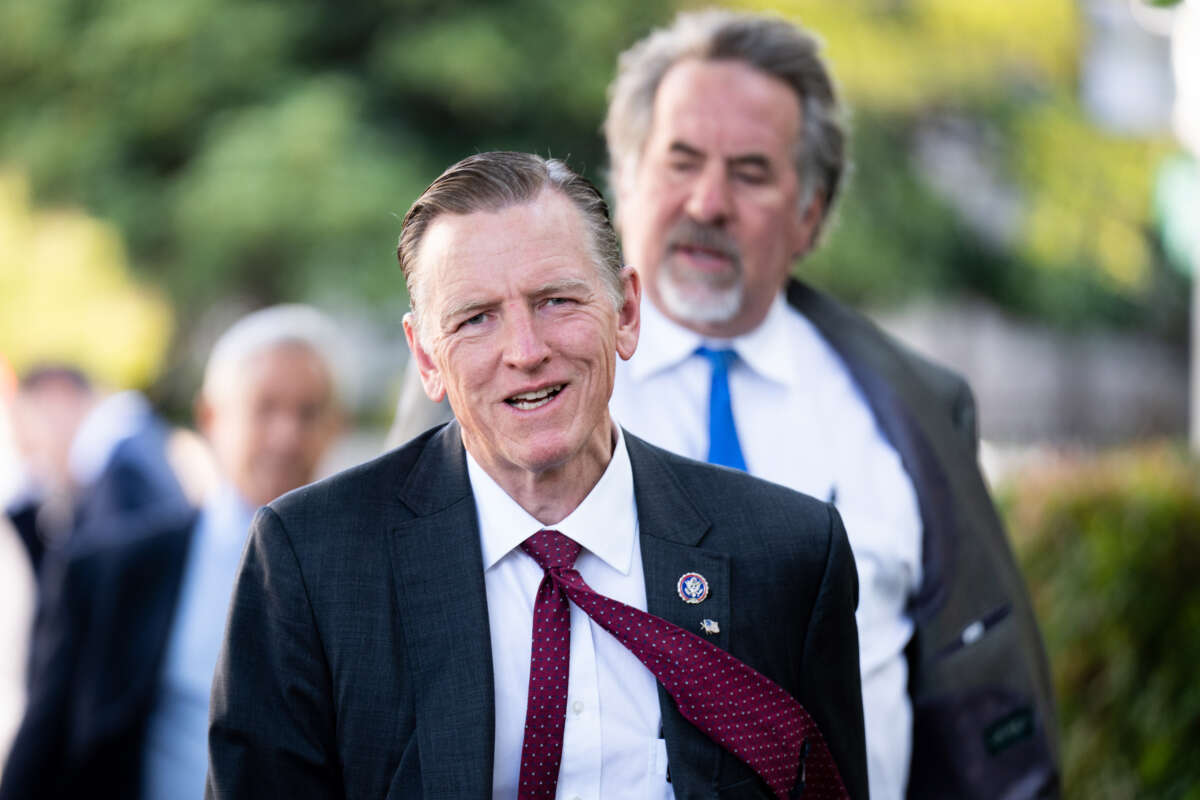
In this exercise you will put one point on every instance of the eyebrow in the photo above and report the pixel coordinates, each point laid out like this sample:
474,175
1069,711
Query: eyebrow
683,149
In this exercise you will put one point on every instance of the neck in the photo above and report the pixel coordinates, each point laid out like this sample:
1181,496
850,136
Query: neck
550,494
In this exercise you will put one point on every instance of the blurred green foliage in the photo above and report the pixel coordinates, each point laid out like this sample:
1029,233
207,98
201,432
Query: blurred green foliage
1111,549
267,149
82,283
1080,247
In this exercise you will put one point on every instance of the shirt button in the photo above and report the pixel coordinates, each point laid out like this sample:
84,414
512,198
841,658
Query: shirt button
577,707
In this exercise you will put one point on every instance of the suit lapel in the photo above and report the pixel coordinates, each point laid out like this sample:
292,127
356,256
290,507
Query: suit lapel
671,530
910,420
438,564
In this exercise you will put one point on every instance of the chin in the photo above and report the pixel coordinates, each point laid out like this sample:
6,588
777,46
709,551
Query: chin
700,303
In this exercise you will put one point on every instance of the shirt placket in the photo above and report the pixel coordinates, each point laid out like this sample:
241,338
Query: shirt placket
579,774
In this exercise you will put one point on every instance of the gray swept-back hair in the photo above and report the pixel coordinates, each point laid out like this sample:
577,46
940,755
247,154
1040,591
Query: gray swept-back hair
267,329
494,181
767,43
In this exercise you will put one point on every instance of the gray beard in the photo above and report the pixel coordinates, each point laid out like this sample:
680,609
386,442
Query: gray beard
698,303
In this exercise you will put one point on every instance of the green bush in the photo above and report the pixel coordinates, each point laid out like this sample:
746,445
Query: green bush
1111,549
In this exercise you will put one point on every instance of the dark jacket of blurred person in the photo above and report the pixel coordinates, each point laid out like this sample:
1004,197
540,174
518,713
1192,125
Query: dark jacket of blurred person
128,638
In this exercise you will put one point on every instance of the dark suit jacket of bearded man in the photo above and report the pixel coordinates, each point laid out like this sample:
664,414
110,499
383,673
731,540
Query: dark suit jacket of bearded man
357,661
983,708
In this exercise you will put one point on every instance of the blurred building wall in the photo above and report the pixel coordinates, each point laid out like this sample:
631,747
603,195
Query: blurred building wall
1034,383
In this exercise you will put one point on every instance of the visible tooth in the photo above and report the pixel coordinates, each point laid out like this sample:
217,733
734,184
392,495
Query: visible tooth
537,395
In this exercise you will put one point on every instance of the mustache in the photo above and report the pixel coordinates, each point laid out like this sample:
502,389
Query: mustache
689,233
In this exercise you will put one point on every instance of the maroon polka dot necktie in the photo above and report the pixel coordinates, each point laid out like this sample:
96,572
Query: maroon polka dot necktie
740,709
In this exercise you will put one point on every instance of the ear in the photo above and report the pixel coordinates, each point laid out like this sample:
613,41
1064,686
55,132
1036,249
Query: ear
629,315
809,222
431,378
202,411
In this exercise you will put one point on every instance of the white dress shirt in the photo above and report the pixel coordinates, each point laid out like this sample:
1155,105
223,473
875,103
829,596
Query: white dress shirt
802,422
176,749
611,744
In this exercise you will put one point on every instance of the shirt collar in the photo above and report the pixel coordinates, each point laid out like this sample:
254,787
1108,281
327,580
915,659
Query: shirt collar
605,523
228,514
664,344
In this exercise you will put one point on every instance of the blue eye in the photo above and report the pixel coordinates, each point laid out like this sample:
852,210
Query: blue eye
478,319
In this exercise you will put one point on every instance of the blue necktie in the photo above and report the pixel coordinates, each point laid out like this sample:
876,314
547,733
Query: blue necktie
723,447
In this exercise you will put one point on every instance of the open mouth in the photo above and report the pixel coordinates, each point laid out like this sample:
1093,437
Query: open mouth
704,255
527,401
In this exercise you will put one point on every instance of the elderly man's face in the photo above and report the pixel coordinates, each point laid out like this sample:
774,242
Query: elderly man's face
710,215
273,428
517,328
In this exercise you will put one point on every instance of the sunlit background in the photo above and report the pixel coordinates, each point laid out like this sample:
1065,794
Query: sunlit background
1023,206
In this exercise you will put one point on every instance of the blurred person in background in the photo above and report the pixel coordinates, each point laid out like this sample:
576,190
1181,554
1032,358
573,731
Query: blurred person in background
89,458
726,156
118,704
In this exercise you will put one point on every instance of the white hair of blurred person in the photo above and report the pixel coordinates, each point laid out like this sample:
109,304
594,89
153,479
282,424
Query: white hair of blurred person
269,404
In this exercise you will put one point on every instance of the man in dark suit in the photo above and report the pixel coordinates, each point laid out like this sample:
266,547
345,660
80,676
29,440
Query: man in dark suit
133,604
726,154
379,640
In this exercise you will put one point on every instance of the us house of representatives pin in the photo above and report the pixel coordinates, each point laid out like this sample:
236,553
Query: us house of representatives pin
692,587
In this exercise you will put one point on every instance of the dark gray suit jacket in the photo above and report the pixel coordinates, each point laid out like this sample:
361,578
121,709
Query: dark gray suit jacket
357,660
983,709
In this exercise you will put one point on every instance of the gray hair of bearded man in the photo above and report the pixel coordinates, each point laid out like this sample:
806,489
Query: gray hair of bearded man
494,181
770,44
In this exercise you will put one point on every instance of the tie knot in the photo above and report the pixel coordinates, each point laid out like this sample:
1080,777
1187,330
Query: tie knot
551,549
719,358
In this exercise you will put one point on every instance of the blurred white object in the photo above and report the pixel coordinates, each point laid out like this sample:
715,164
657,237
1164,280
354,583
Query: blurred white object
17,592
16,617
1185,58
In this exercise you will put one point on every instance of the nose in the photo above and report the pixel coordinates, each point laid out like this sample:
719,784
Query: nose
709,200
525,346
284,431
